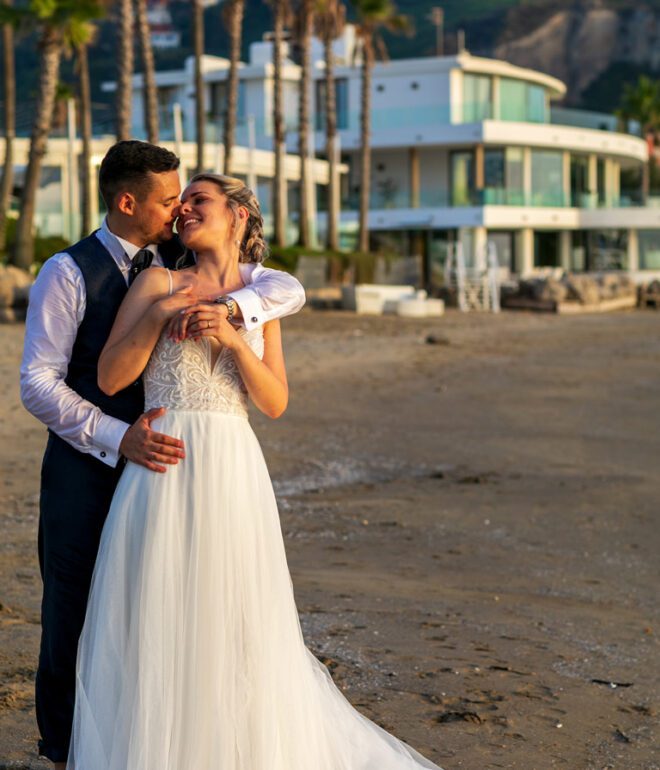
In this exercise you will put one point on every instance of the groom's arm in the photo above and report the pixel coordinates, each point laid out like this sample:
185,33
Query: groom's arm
55,311
270,294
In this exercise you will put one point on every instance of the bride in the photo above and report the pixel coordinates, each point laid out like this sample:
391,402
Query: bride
192,657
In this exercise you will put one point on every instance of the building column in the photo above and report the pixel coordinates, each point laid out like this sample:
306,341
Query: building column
527,176
566,178
525,251
479,173
633,251
592,181
565,249
480,247
413,165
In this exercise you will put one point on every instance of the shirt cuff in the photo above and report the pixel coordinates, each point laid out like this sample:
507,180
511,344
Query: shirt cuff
107,438
250,305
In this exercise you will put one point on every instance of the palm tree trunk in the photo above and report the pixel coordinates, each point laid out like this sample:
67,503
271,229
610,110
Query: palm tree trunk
86,132
235,24
149,93
365,141
51,53
279,186
7,183
307,10
200,108
332,238
125,61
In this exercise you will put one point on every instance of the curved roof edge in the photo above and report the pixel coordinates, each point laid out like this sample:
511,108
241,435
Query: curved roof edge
482,65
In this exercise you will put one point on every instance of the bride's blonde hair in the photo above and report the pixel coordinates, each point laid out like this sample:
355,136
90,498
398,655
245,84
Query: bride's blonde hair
253,246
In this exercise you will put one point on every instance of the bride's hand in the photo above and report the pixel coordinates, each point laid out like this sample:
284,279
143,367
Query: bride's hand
168,308
208,319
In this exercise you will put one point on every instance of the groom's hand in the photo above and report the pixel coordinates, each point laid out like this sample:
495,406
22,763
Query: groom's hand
146,447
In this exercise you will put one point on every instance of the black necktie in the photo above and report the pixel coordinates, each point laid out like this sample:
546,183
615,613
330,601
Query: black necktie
139,262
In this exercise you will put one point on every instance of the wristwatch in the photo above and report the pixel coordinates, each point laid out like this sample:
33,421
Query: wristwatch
229,303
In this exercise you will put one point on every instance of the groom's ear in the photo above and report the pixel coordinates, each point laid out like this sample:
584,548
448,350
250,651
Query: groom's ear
126,203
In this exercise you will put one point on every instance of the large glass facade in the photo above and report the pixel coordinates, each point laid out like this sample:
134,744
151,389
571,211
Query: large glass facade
462,178
547,178
477,98
521,101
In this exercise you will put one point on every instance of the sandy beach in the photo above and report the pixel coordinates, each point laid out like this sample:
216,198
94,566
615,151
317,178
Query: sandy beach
472,528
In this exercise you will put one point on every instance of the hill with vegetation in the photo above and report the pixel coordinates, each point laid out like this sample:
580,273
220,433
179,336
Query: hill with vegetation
595,46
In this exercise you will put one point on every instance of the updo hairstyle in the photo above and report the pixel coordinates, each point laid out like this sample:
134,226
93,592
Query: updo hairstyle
253,247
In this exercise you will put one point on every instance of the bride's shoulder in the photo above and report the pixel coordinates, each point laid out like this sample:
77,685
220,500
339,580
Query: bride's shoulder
154,279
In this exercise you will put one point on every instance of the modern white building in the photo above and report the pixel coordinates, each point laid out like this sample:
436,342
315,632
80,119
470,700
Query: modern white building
465,149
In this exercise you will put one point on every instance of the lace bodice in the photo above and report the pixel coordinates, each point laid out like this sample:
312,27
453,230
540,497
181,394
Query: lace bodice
179,376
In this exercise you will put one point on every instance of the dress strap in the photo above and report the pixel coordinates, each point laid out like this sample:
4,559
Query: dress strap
169,278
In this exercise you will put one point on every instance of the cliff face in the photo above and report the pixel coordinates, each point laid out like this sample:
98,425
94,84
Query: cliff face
580,43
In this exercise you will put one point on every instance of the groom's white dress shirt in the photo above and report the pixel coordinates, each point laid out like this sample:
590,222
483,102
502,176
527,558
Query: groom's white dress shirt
56,310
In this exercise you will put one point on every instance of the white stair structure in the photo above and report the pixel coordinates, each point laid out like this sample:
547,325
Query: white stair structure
477,288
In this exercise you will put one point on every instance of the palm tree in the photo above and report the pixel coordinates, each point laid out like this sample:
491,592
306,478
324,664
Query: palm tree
200,108
53,20
85,102
641,102
233,19
279,182
150,95
306,29
330,20
372,15
125,65
9,79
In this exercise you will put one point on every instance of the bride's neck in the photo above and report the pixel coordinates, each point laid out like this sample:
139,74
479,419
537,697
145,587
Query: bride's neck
221,269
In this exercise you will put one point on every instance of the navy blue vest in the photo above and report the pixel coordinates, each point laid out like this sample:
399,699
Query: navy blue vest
105,289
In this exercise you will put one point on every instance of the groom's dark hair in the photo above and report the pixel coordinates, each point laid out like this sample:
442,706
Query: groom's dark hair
126,168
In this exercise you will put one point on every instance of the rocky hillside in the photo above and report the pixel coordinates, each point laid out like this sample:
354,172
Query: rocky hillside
582,43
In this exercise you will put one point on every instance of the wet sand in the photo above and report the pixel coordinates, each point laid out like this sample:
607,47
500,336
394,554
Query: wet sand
471,526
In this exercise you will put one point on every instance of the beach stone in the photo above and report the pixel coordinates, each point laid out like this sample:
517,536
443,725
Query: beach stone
550,289
583,288
14,287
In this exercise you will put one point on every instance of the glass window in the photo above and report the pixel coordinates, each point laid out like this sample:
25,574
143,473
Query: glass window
341,103
601,180
537,104
580,181
547,178
649,249
546,248
607,250
522,101
477,98
462,178
513,99
494,177
515,195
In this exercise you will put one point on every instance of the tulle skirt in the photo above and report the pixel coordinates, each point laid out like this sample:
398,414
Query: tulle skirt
191,656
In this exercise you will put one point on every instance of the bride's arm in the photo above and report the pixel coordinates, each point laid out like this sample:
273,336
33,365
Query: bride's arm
265,378
140,320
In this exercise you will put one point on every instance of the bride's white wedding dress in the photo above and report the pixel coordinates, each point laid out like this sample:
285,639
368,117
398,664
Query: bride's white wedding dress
192,657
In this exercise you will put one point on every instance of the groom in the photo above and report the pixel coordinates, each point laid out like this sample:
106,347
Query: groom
72,308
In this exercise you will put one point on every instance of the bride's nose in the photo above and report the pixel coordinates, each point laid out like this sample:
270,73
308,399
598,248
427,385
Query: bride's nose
184,207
